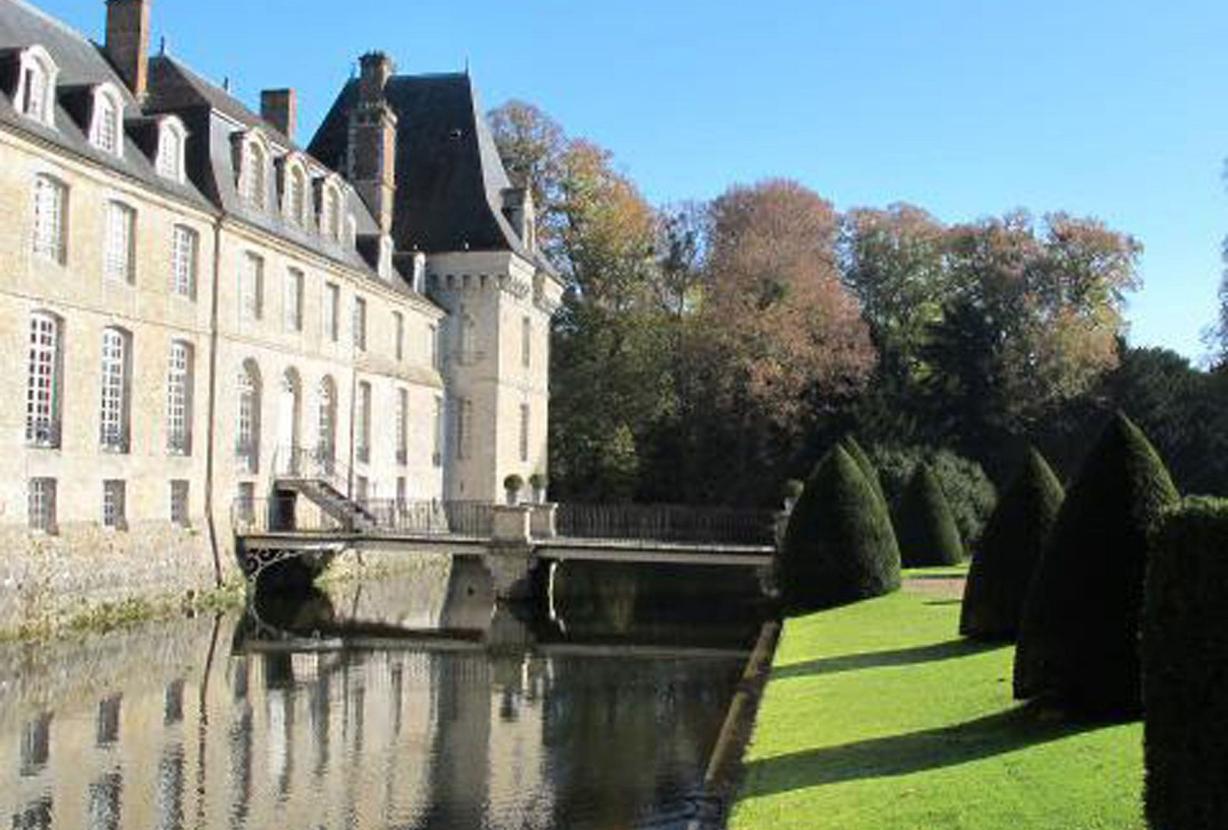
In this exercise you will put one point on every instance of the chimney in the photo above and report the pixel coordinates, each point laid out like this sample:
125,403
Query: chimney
371,163
128,42
279,107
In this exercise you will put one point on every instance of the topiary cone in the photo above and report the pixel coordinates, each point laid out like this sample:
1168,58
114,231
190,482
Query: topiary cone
1010,549
928,534
1079,637
838,546
868,470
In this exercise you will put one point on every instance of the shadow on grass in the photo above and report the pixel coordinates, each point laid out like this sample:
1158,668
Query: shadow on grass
985,737
877,659
944,602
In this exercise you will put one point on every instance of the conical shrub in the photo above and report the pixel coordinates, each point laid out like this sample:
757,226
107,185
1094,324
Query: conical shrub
1010,549
838,546
926,527
867,468
1079,636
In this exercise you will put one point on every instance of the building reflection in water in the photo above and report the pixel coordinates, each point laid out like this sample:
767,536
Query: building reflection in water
379,723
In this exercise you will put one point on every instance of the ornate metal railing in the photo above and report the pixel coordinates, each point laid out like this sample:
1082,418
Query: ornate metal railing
666,523
379,516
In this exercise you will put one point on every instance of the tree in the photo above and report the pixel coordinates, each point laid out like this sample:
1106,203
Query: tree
531,145
838,546
1010,549
927,531
1078,640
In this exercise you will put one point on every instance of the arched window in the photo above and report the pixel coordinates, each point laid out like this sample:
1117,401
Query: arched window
172,140
36,86
114,402
287,422
326,423
106,131
247,427
44,380
179,383
296,195
253,180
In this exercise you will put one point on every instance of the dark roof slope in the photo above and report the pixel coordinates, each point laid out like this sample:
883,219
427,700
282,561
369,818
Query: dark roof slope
82,64
449,175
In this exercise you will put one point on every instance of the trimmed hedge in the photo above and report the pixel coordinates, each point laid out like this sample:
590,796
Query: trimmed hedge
928,534
1185,655
970,493
1011,547
1078,640
838,546
867,468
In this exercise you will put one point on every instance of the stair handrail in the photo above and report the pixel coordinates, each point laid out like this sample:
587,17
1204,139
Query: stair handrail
318,463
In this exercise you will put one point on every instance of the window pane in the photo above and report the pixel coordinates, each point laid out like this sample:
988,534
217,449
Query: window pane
49,200
43,383
184,248
114,414
179,400
121,223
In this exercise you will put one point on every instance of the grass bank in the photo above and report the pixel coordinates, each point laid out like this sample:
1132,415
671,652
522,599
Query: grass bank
878,715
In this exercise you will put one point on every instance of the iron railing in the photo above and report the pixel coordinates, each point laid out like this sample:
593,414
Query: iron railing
666,523
377,516
318,462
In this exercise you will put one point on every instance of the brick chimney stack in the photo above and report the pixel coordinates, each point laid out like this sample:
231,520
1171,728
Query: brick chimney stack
128,42
279,107
371,164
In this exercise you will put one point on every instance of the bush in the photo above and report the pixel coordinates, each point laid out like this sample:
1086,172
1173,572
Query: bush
1185,649
1010,549
838,545
866,466
1078,639
927,531
970,494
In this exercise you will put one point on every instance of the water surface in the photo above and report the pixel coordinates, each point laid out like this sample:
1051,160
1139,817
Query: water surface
413,702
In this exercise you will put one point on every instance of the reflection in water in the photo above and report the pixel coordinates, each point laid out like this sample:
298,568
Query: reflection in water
411,703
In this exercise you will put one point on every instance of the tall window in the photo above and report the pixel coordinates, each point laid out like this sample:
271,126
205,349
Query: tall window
296,196
105,134
437,437
251,287
40,504
330,214
50,218
113,499
464,428
113,416
363,427
432,335
326,422
252,180
247,427
180,504
44,370
524,432
398,325
360,324
120,239
185,249
526,342
179,399
292,302
332,311
467,338
402,426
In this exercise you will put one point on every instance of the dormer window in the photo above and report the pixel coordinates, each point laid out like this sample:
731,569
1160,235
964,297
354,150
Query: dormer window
296,193
331,211
253,181
35,97
171,143
106,131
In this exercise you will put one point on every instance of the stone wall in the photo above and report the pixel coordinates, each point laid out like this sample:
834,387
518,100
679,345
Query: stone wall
47,581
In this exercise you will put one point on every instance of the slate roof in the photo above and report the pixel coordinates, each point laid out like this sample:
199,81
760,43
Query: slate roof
81,64
448,171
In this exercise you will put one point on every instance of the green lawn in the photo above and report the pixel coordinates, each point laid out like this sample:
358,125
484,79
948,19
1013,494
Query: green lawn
879,715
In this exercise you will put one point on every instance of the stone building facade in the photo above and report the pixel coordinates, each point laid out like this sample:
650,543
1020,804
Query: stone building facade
193,307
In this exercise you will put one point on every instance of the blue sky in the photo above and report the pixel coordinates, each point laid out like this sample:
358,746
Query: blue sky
1113,108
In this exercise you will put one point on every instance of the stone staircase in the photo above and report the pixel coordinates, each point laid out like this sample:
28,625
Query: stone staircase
340,507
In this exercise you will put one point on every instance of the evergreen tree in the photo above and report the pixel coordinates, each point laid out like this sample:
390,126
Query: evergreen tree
1078,641
1010,548
928,534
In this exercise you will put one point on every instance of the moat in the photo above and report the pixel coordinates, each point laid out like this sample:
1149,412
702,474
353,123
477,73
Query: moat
412,701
